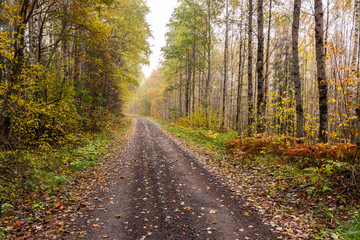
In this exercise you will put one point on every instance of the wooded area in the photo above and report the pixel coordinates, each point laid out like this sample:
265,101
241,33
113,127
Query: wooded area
266,92
65,66
284,68
66,70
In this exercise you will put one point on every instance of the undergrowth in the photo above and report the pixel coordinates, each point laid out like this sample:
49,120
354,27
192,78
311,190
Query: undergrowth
211,139
27,174
350,229
325,176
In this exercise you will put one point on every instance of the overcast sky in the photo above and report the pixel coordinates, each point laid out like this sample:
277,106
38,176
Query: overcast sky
159,16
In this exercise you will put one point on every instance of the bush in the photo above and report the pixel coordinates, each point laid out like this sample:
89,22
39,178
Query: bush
252,146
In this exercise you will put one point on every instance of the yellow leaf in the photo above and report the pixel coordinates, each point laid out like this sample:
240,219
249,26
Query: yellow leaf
188,208
246,213
57,223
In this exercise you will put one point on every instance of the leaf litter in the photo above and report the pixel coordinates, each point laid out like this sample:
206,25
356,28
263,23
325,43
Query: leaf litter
292,213
55,215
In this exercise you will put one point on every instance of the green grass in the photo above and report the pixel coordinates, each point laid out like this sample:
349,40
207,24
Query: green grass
312,179
207,138
32,172
350,229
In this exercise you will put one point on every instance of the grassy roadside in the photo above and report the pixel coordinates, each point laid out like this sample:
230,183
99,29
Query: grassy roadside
300,199
43,177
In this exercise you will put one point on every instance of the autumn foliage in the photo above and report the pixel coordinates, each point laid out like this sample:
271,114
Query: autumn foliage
254,146
294,149
66,68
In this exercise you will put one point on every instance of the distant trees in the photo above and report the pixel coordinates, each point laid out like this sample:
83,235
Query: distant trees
304,81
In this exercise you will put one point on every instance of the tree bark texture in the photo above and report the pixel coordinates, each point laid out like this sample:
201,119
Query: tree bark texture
240,85
18,63
355,60
296,69
249,68
208,79
226,53
260,67
321,71
267,72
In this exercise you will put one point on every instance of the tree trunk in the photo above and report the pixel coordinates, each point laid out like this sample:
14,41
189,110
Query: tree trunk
354,65
180,94
250,59
296,69
18,64
32,39
321,73
267,72
187,85
208,79
226,52
240,83
260,68
194,67
65,42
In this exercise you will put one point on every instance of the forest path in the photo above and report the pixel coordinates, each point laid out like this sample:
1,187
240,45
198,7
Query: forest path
157,190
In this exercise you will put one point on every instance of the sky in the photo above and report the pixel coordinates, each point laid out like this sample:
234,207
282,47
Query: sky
159,16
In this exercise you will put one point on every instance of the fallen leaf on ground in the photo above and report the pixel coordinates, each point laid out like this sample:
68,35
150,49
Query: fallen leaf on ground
188,208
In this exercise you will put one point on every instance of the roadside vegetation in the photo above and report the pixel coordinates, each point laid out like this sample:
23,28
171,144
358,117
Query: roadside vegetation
66,72
272,89
314,188
41,178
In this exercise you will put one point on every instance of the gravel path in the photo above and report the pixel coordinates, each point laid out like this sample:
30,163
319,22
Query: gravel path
157,190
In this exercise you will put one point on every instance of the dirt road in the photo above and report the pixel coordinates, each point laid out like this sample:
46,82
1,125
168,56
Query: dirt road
157,190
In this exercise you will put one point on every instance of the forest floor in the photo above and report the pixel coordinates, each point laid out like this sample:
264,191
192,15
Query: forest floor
300,203
155,189
158,186
151,188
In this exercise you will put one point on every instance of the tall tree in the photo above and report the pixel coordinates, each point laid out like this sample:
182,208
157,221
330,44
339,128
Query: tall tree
240,72
355,53
209,39
226,53
240,85
260,67
296,69
249,67
18,63
267,71
321,71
